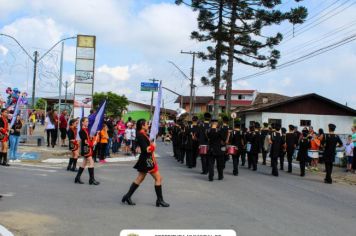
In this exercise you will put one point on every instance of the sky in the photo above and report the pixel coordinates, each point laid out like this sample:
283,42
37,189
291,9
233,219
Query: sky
137,38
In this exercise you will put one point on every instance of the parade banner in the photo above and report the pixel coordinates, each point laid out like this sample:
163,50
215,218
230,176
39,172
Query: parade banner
97,120
155,120
84,74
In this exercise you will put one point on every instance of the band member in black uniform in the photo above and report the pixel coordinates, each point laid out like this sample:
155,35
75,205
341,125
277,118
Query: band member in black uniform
253,148
189,145
331,141
276,145
73,144
203,140
86,145
146,164
243,151
236,139
264,134
224,130
182,142
195,150
174,132
259,148
248,136
216,141
291,142
4,136
304,145
283,149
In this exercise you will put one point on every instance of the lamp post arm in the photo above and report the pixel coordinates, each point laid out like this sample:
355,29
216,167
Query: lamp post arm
23,49
185,76
55,46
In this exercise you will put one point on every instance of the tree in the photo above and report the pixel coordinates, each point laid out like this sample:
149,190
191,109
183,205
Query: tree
40,104
115,105
245,39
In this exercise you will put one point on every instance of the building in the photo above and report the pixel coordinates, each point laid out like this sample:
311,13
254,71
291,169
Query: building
137,110
306,110
239,98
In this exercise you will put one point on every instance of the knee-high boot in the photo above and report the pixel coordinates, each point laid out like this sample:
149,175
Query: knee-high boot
77,178
160,201
1,155
70,163
127,197
4,162
74,164
92,180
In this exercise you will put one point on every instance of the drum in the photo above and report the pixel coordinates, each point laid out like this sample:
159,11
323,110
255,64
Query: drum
231,150
203,149
313,154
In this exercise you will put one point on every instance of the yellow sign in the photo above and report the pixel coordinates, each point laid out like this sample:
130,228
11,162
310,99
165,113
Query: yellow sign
86,41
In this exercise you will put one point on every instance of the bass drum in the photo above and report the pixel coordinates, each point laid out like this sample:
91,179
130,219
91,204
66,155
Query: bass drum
203,149
231,150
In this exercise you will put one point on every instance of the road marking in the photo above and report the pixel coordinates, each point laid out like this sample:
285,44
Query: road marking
33,169
4,231
37,166
9,194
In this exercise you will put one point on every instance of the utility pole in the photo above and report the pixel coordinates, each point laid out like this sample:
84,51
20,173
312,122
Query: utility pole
153,81
65,96
191,83
35,60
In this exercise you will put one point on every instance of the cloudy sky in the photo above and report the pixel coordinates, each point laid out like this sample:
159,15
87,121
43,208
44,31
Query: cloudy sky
137,38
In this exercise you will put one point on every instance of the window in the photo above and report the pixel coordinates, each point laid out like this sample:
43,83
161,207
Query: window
224,97
240,97
305,122
197,109
275,121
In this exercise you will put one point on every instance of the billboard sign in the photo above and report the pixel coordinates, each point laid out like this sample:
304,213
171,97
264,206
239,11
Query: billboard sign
149,87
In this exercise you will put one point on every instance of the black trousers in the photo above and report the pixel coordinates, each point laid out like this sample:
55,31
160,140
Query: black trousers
329,170
243,157
249,160
182,154
51,135
102,148
281,160
254,160
274,163
264,156
219,159
195,153
189,157
174,150
235,163
302,167
204,163
290,154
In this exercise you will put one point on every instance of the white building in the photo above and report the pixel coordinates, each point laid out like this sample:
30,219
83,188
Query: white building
306,110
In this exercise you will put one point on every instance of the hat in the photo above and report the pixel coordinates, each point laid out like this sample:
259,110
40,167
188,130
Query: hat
237,124
257,125
284,130
277,126
194,118
225,119
332,127
265,124
305,132
214,120
207,116
291,127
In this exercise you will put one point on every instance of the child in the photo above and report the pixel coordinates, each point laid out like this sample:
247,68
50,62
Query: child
349,150
130,136
103,142
314,151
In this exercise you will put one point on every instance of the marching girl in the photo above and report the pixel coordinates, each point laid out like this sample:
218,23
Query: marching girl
145,164
4,136
86,147
73,144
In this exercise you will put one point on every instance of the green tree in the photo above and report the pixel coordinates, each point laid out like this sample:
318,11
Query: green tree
40,104
116,104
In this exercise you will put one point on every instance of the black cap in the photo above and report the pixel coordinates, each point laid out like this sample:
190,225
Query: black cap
291,127
214,120
225,119
284,130
237,124
257,125
332,127
305,132
265,124
194,118
277,126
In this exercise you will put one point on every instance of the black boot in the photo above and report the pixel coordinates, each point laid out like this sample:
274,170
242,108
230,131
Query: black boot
160,201
4,162
77,178
127,197
1,155
92,180
74,165
70,163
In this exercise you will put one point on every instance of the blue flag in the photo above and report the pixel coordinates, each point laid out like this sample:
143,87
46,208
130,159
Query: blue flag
155,119
97,119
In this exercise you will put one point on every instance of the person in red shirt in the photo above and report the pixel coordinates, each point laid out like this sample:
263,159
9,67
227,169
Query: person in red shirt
4,137
63,123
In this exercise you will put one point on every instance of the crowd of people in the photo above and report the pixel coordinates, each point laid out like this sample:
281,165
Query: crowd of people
217,143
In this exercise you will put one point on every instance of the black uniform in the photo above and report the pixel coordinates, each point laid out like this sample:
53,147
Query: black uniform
224,130
174,132
203,140
291,141
243,151
236,139
254,140
282,152
216,141
181,143
189,146
304,145
330,142
264,134
195,146
142,164
276,146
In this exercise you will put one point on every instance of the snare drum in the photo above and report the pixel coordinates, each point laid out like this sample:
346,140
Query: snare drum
203,149
231,150
313,154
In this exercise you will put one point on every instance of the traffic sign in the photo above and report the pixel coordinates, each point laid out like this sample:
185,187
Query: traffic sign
149,87
233,115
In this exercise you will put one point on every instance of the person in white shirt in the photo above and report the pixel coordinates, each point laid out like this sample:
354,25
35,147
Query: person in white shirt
349,150
50,128
130,136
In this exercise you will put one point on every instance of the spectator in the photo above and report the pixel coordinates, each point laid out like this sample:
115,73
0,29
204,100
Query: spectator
130,136
103,142
314,151
349,149
14,137
354,143
110,125
121,132
63,123
32,121
50,128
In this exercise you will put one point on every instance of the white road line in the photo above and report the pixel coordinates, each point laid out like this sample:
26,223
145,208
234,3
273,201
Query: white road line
9,194
4,231
33,169
37,166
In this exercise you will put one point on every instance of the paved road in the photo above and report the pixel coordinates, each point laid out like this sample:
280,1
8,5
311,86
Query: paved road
45,201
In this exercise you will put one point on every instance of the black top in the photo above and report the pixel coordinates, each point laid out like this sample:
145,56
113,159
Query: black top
143,142
110,125
17,128
304,145
83,137
291,141
215,141
202,133
2,124
224,130
255,140
330,141
277,143
236,139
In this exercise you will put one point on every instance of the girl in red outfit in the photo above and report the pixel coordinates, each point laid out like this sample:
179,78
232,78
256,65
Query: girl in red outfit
86,145
146,164
4,137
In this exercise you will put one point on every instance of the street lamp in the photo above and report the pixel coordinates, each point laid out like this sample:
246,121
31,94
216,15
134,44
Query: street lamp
35,60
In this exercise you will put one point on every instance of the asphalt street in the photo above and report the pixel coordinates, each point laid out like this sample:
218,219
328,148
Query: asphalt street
45,201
